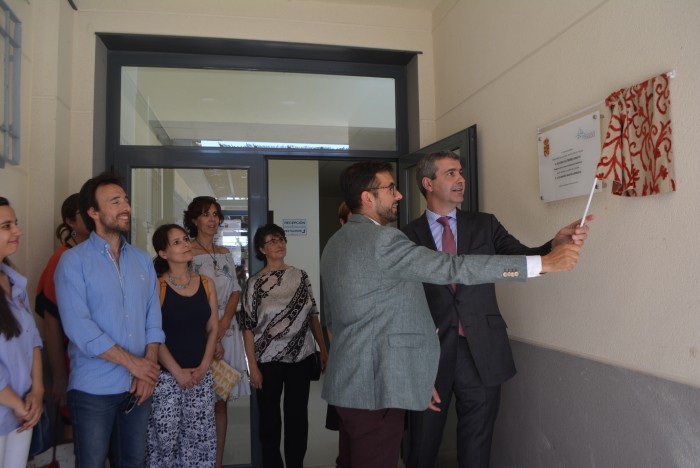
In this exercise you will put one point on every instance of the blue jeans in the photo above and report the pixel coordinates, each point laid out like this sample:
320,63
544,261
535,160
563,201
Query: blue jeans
100,424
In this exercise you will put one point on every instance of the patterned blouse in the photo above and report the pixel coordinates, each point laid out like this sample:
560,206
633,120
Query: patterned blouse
278,306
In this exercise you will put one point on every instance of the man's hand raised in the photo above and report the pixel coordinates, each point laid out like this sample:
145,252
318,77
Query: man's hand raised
573,233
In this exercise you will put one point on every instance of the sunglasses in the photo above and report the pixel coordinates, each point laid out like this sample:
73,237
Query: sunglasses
133,398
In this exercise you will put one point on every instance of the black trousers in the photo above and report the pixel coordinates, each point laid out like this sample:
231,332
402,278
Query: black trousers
294,379
477,407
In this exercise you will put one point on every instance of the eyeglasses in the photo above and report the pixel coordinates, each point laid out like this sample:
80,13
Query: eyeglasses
390,187
131,404
276,240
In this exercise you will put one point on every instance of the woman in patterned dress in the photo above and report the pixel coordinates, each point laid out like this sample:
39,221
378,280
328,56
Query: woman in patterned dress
278,320
202,220
181,428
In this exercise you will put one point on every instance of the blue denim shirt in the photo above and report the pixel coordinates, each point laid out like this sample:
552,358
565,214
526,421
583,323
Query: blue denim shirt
103,305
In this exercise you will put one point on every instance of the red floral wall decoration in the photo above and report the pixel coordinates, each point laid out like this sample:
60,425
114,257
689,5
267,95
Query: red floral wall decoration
638,149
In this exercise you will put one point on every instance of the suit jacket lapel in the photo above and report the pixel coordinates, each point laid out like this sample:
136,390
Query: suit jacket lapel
424,234
463,233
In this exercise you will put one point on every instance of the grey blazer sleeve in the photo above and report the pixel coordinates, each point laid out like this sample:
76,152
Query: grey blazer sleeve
399,257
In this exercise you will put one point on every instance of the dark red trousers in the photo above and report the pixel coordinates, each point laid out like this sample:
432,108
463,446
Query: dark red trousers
370,438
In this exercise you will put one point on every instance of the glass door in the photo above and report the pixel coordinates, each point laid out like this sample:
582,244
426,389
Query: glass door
161,195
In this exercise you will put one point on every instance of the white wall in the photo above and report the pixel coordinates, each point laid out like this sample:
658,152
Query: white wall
511,67
293,194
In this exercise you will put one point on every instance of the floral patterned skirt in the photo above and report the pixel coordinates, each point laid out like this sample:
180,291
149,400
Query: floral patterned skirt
181,429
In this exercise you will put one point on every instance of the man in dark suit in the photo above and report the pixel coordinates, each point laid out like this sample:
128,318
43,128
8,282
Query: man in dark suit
475,355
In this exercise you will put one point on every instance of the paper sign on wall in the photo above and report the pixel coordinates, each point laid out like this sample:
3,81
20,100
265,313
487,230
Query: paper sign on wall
568,155
294,227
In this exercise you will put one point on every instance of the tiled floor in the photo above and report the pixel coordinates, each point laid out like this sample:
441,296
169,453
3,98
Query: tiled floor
322,448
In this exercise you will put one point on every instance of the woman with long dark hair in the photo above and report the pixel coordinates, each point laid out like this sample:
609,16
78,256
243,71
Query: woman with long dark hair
202,220
70,232
181,429
21,382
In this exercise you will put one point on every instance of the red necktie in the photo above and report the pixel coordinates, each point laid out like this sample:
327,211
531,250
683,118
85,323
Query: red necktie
449,246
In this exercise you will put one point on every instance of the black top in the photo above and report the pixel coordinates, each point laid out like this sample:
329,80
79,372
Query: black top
185,326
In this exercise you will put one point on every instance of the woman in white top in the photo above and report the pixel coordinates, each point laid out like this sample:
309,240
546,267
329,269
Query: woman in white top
202,220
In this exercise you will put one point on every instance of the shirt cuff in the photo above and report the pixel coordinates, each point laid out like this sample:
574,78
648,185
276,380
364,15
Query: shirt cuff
99,345
534,266
155,335
4,377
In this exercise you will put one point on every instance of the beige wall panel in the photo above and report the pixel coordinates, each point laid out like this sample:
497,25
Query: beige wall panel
45,50
39,224
427,132
479,40
312,12
65,53
81,149
633,299
14,180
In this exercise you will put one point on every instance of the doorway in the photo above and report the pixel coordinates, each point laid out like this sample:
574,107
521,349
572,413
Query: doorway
223,105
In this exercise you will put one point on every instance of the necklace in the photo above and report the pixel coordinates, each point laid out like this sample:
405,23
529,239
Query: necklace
178,285
211,254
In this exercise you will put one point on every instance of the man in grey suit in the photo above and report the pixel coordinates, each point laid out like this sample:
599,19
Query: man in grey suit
385,351
475,356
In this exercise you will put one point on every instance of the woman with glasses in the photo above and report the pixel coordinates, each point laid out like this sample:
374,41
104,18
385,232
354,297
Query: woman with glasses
21,382
70,232
202,220
181,428
280,322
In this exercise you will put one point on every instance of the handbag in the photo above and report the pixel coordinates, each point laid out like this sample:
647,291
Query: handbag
225,378
54,462
316,366
41,435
